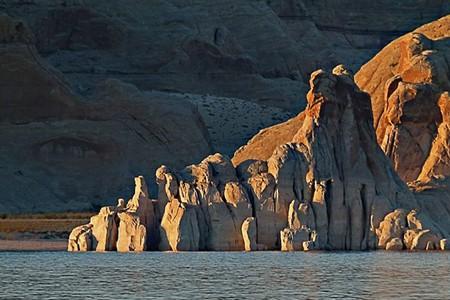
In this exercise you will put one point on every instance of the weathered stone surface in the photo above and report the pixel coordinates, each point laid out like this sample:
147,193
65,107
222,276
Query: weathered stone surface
104,229
143,207
249,234
392,227
300,214
80,239
333,164
122,228
262,145
308,246
408,82
415,230
66,151
208,211
395,244
425,240
261,51
132,234
179,228
292,240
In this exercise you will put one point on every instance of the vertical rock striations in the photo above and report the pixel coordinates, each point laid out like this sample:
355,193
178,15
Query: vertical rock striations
331,187
123,228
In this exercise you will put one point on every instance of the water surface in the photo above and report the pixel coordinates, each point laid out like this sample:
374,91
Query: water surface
224,275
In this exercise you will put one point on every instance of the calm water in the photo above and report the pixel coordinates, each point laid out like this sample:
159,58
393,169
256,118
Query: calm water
213,275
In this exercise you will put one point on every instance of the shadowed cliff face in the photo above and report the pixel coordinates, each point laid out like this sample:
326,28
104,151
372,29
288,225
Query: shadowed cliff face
261,51
61,151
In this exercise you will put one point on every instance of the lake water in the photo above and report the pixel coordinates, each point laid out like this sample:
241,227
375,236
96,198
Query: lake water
224,275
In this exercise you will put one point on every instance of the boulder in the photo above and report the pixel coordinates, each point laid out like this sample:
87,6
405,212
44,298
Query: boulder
293,240
395,244
309,245
299,215
425,240
208,210
392,227
179,230
409,237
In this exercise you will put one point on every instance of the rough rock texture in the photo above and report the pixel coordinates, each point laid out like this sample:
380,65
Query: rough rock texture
104,229
444,244
330,187
396,244
409,84
66,152
123,228
132,234
257,50
293,240
143,208
61,129
207,209
414,230
80,239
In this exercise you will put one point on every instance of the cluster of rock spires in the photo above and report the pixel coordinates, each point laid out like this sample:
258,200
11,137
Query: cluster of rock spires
330,187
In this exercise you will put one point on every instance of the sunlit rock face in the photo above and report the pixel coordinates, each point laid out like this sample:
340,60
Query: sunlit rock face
331,187
62,151
125,228
408,82
409,86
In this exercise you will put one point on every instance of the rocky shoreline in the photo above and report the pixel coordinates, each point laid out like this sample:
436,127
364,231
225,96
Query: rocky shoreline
330,188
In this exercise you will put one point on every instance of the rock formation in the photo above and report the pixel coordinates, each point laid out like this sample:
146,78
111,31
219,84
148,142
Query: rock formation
122,228
330,187
409,86
63,151
206,210
84,125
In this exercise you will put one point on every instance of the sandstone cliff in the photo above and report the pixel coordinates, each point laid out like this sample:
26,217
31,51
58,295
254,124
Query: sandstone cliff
329,187
409,84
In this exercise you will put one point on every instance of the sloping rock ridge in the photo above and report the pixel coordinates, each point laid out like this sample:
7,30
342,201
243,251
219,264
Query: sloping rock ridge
330,187
62,151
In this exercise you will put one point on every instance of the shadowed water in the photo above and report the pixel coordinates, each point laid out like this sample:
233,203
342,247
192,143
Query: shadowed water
224,275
